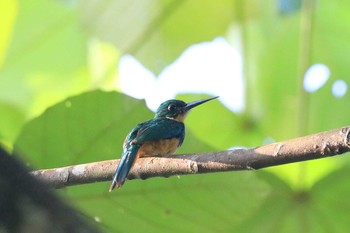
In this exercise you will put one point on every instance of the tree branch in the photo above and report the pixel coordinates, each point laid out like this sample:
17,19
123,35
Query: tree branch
313,146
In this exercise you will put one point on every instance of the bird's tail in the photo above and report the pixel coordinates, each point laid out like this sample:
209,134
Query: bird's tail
124,167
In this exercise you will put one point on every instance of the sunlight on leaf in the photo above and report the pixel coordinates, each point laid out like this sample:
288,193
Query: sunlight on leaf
11,120
103,64
8,12
45,61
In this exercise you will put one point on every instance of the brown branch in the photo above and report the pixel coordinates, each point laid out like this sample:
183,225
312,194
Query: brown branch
313,146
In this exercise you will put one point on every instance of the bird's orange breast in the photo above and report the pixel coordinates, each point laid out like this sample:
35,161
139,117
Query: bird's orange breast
158,148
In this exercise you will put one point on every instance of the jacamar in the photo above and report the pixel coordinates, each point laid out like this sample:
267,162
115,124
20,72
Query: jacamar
162,135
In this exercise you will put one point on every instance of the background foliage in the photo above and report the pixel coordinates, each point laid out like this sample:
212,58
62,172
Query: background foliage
60,105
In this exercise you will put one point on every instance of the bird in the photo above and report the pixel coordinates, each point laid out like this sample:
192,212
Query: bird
162,135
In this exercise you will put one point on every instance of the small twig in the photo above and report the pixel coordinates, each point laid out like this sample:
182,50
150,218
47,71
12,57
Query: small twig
314,146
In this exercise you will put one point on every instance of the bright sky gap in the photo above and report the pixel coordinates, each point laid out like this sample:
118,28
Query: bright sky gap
213,68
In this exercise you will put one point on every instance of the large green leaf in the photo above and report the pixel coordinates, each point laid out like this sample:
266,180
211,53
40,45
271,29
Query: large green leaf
85,128
205,203
275,211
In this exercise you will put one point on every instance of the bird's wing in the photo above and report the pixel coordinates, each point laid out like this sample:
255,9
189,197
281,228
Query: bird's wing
157,129
152,130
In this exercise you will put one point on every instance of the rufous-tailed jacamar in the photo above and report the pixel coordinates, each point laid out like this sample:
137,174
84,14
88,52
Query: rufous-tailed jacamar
160,136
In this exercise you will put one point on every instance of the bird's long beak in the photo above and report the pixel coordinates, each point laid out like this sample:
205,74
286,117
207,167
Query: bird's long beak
193,104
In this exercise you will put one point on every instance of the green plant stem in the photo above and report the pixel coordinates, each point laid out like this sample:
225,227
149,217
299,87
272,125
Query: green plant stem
305,53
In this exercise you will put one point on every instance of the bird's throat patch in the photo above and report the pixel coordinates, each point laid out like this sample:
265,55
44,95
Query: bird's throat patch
181,117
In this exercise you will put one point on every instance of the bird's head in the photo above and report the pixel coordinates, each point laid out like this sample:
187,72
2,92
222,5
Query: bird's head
177,109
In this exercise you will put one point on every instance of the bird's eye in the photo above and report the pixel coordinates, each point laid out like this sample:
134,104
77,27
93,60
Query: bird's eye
171,107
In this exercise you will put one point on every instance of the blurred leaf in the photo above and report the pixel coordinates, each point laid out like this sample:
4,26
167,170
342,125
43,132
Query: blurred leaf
57,34
205,203
320,209
156,32
46,59
85,128
10,121
300,176
273,211
49,58
330,201
103,63
8,12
